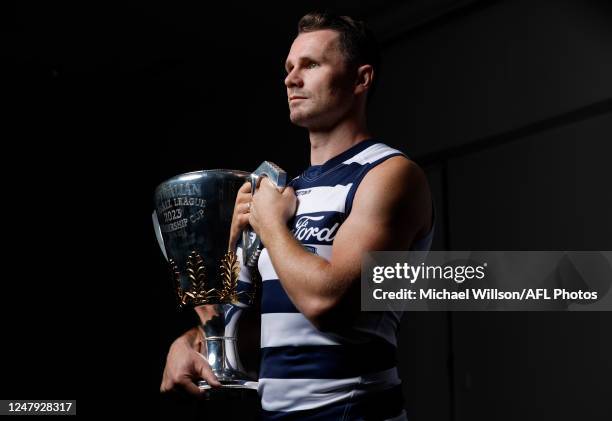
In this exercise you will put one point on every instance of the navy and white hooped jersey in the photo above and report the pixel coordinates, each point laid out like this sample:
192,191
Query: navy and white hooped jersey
306,373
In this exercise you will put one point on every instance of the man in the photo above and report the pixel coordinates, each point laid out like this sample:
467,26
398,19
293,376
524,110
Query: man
321,356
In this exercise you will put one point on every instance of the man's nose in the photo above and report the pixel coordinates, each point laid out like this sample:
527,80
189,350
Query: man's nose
293,79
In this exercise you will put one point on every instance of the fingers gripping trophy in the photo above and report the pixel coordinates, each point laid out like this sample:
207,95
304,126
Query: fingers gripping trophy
193,225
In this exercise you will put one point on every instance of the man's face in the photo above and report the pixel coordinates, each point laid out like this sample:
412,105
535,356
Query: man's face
319,84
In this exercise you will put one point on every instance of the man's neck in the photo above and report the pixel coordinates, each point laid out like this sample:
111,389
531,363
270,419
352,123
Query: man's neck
325,145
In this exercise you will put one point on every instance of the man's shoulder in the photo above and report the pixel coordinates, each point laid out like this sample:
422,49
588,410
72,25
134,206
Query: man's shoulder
396,185
398,170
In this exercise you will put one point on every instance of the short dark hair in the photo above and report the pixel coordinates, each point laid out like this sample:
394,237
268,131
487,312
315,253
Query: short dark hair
356,41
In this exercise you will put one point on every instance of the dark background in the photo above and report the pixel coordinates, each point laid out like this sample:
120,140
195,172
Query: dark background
506,104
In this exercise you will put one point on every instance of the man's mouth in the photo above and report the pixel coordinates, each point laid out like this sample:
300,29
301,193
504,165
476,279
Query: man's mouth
292,97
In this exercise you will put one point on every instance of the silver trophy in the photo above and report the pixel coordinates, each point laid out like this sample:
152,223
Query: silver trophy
192,221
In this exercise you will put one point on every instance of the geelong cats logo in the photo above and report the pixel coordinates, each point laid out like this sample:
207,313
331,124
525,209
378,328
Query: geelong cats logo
304,229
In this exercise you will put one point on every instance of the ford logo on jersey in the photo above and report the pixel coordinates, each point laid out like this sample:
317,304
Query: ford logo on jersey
308,228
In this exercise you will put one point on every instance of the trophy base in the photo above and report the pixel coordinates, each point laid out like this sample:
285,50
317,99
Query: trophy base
229,384
231,390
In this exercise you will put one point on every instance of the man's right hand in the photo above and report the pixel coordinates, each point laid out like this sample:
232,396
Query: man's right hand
185,365
240,219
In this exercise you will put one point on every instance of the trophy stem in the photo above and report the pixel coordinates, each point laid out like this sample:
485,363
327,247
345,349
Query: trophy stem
220,349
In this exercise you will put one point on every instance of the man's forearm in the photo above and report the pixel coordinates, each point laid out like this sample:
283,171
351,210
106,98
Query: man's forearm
305,276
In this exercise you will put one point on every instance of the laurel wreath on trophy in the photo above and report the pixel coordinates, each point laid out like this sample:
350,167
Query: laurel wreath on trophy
196,272
229,271
197,292
176,276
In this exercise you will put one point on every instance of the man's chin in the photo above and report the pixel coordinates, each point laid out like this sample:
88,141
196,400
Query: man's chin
298,119
310,123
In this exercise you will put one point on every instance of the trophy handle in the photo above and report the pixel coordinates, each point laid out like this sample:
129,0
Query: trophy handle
158,234
251,243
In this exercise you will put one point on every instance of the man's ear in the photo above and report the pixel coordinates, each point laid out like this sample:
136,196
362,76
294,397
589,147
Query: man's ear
365,77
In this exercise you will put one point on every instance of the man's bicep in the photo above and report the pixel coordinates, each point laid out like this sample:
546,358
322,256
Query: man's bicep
390,207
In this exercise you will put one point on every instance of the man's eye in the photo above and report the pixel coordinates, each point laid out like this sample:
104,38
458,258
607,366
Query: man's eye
312,65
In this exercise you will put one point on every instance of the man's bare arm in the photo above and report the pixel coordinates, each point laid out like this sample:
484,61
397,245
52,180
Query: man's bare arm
391,208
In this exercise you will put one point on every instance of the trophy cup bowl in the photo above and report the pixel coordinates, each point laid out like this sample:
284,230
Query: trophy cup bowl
192,222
